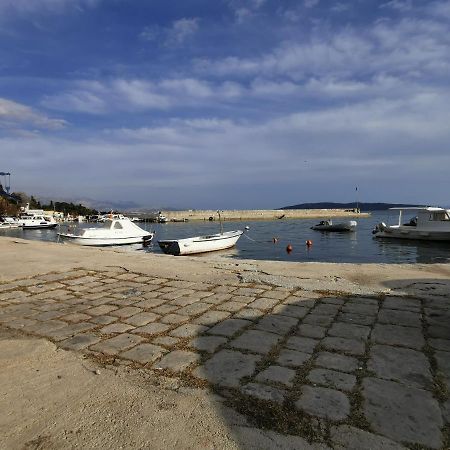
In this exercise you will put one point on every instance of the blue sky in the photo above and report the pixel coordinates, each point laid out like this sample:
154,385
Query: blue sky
226,103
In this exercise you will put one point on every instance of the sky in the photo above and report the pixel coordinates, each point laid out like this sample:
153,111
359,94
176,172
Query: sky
226,103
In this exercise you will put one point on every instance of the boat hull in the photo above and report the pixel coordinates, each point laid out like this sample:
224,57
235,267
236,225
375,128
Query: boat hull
339,227
38,226
415,235
104,242
200,244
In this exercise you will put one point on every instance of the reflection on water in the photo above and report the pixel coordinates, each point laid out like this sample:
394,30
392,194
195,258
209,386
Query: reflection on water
258,242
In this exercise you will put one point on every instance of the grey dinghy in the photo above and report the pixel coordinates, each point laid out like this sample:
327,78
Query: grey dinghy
200,244
328,225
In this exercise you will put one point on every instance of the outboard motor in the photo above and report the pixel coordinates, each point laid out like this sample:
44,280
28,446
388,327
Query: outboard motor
380,227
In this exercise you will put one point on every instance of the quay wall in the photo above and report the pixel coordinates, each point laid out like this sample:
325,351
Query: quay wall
262,214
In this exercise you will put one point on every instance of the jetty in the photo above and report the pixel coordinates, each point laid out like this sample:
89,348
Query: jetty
261,214
124,350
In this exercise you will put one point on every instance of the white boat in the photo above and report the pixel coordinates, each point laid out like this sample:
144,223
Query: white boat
36,221
328,225
8,222
113,232
429,223
200,244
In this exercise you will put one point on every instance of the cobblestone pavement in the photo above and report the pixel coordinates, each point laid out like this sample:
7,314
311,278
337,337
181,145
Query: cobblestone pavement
350,372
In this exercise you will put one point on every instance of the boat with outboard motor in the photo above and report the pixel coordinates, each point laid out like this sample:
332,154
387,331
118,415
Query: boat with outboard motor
113,232
200,244
429,223
328,225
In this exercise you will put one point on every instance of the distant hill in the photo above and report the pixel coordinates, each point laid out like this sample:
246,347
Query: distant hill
362,206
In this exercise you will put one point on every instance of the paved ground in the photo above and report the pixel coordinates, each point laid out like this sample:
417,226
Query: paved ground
345,371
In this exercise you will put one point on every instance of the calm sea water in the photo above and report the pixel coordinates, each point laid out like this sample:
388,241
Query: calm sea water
357,247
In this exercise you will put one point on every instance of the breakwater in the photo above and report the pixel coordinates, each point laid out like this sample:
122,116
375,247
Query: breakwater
261,214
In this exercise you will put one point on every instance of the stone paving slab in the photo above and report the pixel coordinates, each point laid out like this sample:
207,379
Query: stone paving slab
402,413
301,354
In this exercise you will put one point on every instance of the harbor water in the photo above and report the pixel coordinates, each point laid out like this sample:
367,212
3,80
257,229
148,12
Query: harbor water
267,240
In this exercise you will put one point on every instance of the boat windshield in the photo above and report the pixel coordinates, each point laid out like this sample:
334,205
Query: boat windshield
440,216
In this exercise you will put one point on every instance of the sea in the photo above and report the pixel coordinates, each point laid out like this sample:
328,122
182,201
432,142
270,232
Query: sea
268,240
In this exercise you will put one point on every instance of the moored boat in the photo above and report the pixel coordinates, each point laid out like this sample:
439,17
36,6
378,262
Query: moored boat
429,223
328,225
36,222
113,232
200,244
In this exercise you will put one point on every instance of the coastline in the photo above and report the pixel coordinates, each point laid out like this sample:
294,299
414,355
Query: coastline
98,383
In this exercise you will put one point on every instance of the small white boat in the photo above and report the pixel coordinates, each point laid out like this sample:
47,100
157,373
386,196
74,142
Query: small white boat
113,232
430,224
200,244
328,225
36,222
8,222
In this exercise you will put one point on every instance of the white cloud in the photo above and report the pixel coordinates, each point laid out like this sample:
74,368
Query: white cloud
176,35
15,116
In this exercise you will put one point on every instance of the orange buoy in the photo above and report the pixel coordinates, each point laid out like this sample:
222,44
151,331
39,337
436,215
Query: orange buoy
275,240
309,243
289,248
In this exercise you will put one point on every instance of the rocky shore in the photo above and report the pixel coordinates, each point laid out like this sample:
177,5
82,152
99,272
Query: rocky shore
103,348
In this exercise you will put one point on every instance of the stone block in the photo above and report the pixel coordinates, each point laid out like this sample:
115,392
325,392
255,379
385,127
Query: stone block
405,365
438,344
396,317
249,314
168,341
336,362
312,331
76,317
188,330
152,328
263,303
277,374
402,413
349,330
128,311
79,341
212,317
177,361
277,324
324,402
229,327
101,310
301,344
398,335
345,345
194,309
142,318
116,328
143,353
291,311
117,344
333,379
403,304
316,319
230,306
227,368
346,437
174,319
292,358
207,343
256,341
263,392
360,319
104,320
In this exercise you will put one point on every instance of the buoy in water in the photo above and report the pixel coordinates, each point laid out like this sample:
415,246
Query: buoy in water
289,248
309,243
275,240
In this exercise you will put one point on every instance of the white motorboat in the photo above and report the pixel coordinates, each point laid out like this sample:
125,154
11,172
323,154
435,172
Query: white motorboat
328,225
113,232
36,221
8,222
200,244
429,223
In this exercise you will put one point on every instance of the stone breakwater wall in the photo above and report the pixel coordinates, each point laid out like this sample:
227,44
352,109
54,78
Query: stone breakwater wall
262,214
